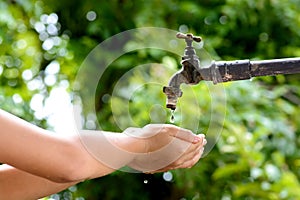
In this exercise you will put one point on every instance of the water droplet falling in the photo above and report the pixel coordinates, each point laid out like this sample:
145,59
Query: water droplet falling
172,118
145,181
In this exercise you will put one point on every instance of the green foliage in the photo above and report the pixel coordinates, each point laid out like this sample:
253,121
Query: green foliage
43,43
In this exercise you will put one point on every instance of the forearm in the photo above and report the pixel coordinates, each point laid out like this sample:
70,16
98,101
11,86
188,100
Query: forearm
42,163
60,158
17,184
35,150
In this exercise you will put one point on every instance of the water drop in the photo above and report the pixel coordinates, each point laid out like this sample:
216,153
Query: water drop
145,181
172,118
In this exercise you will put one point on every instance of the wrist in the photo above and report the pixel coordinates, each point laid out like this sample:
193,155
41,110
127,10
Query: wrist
128,143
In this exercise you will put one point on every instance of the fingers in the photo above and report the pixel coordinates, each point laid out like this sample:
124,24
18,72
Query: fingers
188,159
190,163
186,135
191,157
172,130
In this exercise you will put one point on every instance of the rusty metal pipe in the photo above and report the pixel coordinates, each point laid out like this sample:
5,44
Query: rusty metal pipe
222,71
225,71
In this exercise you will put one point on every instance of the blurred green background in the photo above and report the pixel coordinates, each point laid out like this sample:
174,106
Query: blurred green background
43,43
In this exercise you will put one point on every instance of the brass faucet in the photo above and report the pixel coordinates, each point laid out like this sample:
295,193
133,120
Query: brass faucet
221,71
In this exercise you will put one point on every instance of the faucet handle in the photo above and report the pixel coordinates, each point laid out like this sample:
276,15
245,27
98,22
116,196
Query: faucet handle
188,37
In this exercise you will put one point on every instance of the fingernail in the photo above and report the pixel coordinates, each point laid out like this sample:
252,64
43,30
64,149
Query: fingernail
197,139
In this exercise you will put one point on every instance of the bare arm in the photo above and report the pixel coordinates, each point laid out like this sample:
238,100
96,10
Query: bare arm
39,152
60,157
16,184
41,158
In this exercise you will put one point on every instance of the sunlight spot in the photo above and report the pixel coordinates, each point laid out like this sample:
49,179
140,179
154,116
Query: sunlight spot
9,61
35,84
21,44
43,36
173,43
12,83
168,176
44,18
256,172
231,139
73,188
284,194
60,111
226,197
264,37
11,73
90,125
64,84
56,41
52,18
273,172
39,27
223,19
265,185
208,20
54,197
30,51
248,136
36,102
183,28
48,44
22,28
52,29
53,68
1,70
62,52
17,98
106,98
50,80
91,116
27,75
91,15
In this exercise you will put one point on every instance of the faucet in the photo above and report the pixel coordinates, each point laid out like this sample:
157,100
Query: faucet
221,71
189,74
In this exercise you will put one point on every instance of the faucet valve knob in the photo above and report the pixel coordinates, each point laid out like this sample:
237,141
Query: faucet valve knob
189,38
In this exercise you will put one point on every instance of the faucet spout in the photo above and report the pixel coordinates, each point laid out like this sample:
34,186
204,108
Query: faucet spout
173,91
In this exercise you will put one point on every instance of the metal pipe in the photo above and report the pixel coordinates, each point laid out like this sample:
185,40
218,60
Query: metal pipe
222,71
225,71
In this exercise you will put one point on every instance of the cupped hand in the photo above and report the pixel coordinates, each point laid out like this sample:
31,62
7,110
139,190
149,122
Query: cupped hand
166,147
